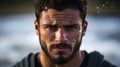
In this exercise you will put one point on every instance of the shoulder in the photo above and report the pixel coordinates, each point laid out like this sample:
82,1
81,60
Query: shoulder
96,59
27,61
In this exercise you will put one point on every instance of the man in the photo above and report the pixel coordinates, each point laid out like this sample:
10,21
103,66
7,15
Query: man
60,26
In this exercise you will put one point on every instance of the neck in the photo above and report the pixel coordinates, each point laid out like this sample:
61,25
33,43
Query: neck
75,62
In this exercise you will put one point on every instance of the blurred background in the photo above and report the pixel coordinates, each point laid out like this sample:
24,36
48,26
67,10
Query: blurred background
18,38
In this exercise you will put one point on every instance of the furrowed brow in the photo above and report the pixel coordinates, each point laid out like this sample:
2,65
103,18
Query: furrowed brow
71,25
49,25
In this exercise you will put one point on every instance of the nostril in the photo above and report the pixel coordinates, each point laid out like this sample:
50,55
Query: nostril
61,39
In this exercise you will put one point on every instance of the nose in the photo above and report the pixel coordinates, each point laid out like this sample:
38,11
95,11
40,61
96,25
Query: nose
60,36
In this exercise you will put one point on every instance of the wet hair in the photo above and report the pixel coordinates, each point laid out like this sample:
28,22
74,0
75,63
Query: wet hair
43,5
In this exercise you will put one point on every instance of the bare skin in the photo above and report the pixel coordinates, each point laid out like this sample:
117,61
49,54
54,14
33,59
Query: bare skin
60,34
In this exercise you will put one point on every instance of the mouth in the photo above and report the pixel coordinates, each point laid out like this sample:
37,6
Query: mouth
61,48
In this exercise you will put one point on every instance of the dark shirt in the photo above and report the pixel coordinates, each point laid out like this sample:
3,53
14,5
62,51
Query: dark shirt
93,59
85,61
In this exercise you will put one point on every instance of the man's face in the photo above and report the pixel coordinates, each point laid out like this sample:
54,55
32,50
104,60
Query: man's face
60,34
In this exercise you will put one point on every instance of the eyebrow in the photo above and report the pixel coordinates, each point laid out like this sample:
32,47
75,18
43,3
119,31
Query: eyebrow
71,25
66,16
49,25
58,25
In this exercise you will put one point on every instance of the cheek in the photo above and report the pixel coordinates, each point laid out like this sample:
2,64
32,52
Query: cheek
74,37
43,35
46,37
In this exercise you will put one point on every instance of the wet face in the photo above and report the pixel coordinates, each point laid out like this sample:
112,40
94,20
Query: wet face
60,34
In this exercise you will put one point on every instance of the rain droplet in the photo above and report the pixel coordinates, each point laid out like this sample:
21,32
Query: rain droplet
97,7
106,2
103,5
98,12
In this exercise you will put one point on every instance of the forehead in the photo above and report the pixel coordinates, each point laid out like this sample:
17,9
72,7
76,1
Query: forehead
65,16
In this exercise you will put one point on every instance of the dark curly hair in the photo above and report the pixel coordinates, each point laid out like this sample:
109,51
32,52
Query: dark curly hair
41,5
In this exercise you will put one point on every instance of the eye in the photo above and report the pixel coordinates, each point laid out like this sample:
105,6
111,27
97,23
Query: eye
71,27
51,27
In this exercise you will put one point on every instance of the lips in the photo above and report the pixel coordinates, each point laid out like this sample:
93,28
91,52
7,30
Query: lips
60,47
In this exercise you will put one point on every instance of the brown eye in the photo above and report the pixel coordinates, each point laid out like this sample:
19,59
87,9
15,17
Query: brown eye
71,27
52,27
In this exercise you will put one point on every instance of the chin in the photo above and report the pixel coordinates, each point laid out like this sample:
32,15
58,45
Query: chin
60,60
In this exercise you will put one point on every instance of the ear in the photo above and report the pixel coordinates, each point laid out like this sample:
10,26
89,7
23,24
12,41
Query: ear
36,24
84,25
